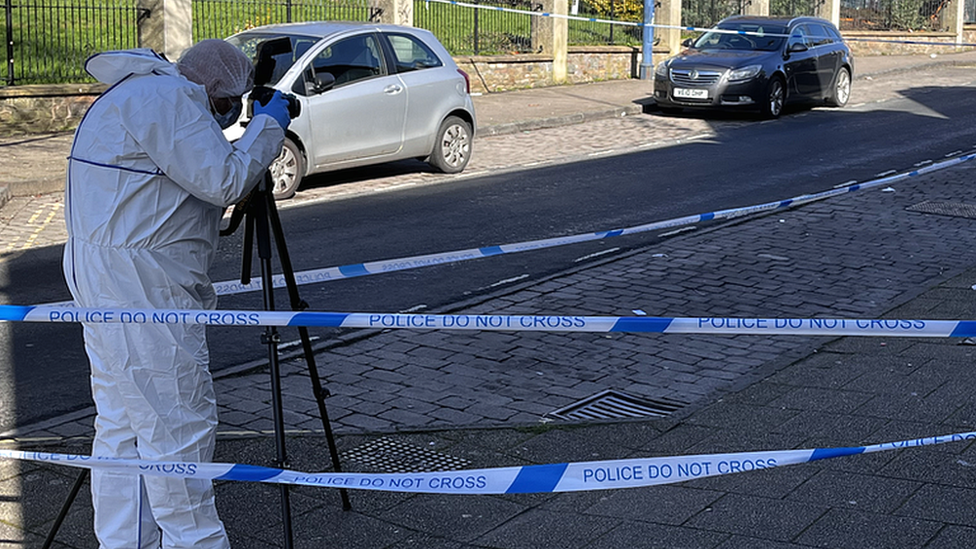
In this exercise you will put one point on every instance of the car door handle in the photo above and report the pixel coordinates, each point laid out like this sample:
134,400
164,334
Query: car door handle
392,89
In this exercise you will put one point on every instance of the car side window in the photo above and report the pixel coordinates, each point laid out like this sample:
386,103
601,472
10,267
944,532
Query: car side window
834,33
798,36
411,54
819,35
349,60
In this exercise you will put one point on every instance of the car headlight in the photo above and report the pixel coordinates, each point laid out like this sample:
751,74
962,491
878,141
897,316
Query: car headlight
745,73
662,69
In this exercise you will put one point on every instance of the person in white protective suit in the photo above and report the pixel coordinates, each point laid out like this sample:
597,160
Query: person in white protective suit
148,177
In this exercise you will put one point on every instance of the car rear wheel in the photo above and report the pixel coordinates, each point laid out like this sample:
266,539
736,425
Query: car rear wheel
452,149
775,99
841,91
287,171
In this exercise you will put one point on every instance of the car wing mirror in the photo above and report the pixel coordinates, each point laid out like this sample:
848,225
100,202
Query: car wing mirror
688,42
324,81
797,47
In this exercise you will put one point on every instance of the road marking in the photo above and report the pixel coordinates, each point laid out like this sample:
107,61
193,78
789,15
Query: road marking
597,254
677,231
51,210
922,163
295,343
882,174
509,280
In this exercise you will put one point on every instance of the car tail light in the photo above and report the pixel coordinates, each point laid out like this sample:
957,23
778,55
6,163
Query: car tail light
467,81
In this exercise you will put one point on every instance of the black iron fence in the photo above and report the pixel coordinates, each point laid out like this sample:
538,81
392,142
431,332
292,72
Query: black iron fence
477,31
48,41
590,33
794,8
906,15
222,18
705,13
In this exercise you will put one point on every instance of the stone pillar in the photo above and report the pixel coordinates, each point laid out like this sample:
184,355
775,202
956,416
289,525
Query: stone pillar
755,7
829,10
952,18
560,41
395,12
542,27
668,14
168,29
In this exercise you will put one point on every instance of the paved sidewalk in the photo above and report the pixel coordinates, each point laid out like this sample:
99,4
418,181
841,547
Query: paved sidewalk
486,399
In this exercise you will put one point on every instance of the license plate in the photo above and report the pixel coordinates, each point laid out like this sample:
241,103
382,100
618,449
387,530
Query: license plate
686,93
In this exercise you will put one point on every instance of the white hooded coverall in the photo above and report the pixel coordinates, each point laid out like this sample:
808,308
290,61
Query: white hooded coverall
148,176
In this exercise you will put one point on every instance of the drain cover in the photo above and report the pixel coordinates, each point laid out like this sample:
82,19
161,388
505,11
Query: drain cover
396,457
612,404
954,209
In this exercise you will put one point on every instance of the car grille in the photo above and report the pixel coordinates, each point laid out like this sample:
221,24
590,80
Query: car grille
693,77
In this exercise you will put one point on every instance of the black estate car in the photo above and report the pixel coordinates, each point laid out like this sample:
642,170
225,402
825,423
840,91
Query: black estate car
758,62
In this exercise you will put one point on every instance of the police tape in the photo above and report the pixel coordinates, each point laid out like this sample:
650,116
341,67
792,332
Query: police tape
509,323
679,27
527,479
327,274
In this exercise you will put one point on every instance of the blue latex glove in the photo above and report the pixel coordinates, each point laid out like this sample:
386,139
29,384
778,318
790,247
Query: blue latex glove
276,108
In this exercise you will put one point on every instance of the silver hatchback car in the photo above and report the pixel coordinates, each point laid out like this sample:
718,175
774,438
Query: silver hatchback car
368,94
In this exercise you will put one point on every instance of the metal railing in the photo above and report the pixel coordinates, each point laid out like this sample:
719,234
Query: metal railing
222,18
906,15
705,13
589,33
794,8
473,31
48,41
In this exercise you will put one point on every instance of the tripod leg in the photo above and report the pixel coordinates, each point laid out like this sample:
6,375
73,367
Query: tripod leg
271,339
79,482
297,304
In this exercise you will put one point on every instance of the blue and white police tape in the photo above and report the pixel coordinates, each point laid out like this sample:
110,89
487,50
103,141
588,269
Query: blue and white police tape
558,477
679,27
392,265
507,323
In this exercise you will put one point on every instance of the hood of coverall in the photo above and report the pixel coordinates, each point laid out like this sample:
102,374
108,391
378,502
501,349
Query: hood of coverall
113,66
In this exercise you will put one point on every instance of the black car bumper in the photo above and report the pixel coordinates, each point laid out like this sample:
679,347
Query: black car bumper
748,94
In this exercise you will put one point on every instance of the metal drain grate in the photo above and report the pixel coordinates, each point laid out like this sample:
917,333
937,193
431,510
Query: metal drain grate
954,209
396,457
612,404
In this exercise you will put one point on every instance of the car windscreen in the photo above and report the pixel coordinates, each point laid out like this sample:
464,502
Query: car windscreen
761,37
248,43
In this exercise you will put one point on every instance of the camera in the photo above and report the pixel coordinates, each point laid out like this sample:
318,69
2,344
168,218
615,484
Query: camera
264,69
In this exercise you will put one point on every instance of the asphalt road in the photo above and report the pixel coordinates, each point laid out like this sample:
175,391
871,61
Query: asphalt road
747,162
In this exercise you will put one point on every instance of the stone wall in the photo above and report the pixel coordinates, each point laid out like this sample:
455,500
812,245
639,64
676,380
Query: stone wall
498,73
889,48
44,109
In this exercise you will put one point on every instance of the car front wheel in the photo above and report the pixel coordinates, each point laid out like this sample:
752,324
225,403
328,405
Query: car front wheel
452,149
775,99
842,89
287,171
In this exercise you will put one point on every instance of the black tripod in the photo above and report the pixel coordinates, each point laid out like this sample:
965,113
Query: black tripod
261,220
